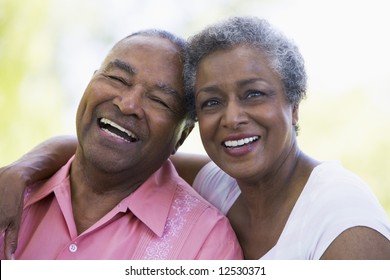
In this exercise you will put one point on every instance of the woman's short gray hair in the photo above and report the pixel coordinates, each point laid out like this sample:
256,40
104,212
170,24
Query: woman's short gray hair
284,56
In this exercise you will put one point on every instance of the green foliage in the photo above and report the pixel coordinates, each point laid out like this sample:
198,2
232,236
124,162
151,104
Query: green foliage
28,97
352,128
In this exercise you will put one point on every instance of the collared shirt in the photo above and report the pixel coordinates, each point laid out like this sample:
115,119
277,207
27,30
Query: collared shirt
163,219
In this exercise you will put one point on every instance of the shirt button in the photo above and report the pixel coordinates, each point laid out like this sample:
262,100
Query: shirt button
73,248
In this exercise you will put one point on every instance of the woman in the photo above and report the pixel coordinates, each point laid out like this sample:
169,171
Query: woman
248,81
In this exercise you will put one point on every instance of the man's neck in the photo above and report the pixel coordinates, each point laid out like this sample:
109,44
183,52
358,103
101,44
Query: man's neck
94,193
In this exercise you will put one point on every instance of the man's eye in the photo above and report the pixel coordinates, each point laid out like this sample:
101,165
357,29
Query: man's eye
118,79
159,101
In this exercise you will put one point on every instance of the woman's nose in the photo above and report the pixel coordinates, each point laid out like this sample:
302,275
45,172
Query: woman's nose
234,116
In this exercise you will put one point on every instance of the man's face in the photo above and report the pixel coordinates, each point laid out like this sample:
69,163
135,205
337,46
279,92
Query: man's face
131,116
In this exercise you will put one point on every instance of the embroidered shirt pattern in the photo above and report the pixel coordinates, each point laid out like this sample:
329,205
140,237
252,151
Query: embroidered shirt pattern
160,248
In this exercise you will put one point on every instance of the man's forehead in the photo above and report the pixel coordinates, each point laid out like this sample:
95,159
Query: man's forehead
154,51
150,57
144,41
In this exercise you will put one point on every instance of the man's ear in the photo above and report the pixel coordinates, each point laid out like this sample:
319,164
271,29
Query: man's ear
184,134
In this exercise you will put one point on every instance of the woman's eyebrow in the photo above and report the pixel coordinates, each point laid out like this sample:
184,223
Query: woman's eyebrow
208,89
245,82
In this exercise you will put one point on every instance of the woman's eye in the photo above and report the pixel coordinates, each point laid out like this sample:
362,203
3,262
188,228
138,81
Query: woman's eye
209,103
254,93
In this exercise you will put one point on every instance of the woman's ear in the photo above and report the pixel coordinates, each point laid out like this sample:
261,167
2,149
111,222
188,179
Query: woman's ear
295,115
295,118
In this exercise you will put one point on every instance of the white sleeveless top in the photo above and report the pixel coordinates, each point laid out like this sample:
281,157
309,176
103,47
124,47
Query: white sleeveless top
333,200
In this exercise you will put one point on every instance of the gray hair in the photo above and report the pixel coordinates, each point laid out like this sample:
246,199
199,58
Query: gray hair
181,44
174,39
283,54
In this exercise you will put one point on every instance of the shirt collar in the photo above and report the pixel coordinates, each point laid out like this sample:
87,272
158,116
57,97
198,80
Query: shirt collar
150,203
35,192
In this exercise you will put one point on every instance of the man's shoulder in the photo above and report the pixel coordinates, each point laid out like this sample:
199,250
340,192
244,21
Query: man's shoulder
184,199
43,188
185,194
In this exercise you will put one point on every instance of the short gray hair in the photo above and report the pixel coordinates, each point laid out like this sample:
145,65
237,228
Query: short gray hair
181,44
284,56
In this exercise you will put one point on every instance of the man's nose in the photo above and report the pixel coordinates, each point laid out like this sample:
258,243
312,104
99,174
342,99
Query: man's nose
130,102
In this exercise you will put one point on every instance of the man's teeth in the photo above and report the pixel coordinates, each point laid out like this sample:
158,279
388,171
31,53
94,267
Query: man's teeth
240,142
117,130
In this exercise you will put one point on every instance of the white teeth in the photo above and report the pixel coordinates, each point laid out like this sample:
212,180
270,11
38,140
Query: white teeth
241,142
117,126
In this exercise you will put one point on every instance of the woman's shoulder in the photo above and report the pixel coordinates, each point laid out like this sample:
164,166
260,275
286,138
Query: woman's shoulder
334,200
335,188
331,180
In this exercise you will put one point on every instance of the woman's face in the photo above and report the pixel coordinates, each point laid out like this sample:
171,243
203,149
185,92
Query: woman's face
245,121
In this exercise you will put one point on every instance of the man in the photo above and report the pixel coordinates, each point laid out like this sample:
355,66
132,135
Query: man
120,197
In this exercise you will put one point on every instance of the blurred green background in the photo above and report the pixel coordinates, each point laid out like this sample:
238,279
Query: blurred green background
50,48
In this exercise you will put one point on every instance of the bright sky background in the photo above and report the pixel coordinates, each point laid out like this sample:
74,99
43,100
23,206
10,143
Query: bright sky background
345,44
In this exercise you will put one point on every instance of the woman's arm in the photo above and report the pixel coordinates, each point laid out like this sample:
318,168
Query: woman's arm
188,165
38,164
358,243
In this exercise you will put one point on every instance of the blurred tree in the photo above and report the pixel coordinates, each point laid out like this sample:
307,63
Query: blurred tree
351,128
24,55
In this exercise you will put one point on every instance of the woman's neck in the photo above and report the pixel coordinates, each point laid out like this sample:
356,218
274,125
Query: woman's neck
281,185
261,212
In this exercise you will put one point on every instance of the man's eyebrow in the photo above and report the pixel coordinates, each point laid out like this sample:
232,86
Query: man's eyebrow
122,66
168,89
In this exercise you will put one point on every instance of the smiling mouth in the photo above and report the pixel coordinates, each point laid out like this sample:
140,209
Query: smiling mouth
240,142
116,130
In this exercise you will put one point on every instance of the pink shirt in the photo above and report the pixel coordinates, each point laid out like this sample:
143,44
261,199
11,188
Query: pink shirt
163,219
